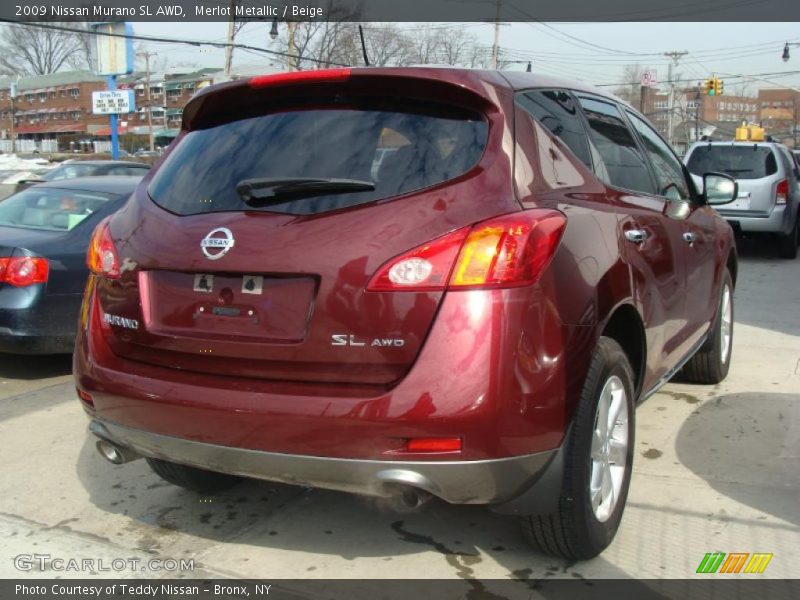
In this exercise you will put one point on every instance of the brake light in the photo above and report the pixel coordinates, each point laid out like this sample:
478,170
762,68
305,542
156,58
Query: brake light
782,192
507,251
21,271
102,257
426,267
433,445
316,76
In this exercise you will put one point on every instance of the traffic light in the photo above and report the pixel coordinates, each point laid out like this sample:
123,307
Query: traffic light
719,87
708,87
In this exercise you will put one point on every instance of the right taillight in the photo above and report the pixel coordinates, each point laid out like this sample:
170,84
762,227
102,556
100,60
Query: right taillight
782,192
508,251
102,257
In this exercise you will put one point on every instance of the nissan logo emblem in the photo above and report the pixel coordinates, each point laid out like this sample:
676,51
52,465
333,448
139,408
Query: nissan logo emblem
217,243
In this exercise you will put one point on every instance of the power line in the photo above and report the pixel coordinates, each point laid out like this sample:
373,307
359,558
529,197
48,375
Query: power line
148,38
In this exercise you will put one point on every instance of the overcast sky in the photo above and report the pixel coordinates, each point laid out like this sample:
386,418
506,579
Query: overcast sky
593,52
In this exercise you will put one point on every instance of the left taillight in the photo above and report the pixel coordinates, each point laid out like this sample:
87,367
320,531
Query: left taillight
102,257
507,251
21,271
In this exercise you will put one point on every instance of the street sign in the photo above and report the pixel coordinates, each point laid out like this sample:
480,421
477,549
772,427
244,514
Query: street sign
649,78
113,102
113,48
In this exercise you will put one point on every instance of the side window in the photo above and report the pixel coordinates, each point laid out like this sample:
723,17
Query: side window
556,110
625,166
668,170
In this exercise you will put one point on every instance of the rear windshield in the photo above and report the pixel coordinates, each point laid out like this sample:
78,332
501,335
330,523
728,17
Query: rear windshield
50,209
741,162
396,150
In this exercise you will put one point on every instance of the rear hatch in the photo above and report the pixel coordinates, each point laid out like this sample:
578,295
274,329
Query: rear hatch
756,168
249,250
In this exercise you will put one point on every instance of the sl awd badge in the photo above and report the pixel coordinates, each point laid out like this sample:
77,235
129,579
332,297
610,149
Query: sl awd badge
217,243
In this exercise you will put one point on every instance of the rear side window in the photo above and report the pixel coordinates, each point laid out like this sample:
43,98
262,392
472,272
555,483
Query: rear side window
667,167
556,110
623,161
741,161
398,151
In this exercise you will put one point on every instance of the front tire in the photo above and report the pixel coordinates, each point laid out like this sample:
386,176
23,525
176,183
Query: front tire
597,464
191,478
713,361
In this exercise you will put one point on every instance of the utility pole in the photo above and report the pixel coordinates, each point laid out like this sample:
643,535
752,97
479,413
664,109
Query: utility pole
675,57
147,56
231,35
496,45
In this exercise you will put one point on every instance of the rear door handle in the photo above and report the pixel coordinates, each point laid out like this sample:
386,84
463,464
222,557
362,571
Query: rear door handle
689,237
637,236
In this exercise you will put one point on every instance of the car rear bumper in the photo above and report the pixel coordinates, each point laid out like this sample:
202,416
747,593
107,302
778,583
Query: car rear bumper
459,482
32,322
777,221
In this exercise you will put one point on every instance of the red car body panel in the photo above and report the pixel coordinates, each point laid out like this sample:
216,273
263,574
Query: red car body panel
501,369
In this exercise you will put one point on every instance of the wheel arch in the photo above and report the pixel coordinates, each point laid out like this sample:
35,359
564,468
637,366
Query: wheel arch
625,326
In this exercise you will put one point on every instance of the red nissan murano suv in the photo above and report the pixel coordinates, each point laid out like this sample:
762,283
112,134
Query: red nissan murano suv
407,282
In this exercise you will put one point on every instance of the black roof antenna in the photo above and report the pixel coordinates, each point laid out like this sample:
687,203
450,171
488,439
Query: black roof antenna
363,45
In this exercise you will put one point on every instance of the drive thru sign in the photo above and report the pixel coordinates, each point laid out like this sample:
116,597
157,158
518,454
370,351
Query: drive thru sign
113,102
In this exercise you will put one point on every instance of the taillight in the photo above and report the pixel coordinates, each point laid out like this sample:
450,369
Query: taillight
21,271
507,251
782,192
315,76
102,257
426,267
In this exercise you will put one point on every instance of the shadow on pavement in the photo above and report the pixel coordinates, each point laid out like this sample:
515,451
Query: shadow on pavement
20,366
257,515
746,446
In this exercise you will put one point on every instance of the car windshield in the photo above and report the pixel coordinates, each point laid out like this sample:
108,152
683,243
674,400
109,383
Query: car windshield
69,171
741,162
396,150
50,209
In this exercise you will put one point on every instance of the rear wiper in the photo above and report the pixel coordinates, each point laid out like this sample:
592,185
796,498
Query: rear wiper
274,190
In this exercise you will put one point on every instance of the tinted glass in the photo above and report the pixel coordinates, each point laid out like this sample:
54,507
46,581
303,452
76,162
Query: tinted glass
668,169
744,161
624,164
69,171
557,111
50,208
398,151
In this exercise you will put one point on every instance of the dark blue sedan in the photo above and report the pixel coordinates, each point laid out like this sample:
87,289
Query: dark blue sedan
44,235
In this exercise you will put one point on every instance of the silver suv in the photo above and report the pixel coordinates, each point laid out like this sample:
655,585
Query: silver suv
769,187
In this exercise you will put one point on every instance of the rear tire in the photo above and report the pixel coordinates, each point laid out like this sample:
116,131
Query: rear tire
712,362
787,244
191,478
590,506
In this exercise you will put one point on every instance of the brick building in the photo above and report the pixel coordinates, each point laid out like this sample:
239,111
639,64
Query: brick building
54,112
780,114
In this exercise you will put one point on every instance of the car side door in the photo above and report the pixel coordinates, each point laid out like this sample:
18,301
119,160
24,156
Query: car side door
698,231
651,236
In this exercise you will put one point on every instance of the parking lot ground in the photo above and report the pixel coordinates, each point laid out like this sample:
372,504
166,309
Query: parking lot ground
716,469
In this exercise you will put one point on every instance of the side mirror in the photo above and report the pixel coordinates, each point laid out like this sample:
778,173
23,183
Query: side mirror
719,188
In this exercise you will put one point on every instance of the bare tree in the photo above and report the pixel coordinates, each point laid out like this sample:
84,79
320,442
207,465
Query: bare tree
28,50
630,88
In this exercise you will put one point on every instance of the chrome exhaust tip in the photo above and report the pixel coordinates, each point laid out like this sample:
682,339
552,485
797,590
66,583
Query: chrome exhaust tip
115,454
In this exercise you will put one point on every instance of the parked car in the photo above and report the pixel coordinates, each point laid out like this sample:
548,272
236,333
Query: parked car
147,154
44,236
476,322
87,168
769,187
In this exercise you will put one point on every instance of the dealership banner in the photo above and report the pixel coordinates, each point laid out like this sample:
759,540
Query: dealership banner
401,10
518,588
